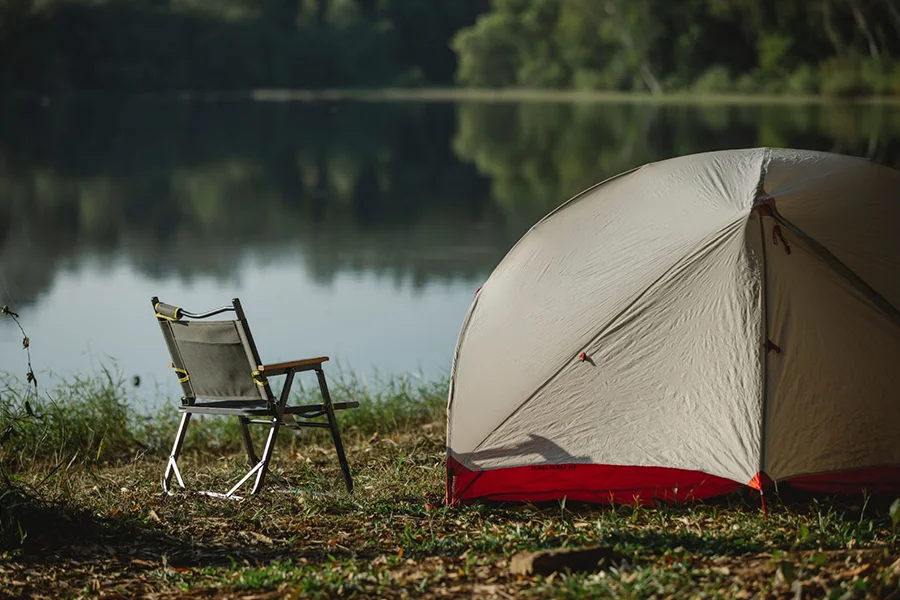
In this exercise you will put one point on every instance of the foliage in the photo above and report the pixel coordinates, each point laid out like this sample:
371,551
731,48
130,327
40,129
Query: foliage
653,46
150,45
489,54
713,80
657,46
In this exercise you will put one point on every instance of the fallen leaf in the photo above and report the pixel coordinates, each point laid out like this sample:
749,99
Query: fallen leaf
264,538
142,562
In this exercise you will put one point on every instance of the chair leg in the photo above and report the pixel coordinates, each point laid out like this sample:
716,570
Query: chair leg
172,465
335,433
248,441
267,456
261,467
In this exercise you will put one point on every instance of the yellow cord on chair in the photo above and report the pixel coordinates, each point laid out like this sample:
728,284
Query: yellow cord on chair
259,382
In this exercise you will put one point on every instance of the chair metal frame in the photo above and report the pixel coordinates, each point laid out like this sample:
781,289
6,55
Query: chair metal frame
269,410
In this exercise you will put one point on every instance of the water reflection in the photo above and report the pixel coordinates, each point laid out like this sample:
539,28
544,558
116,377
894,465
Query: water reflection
355,229
537,154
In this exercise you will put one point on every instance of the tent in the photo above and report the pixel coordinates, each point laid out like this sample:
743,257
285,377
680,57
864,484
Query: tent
687,328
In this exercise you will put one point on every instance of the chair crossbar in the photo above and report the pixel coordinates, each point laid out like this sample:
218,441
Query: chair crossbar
301,410
254,471
255,409
307,424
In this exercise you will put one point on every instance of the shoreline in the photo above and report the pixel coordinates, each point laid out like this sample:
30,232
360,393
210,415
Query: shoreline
435,94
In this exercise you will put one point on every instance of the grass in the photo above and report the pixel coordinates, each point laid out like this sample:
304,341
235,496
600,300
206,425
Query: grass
99,525
92,420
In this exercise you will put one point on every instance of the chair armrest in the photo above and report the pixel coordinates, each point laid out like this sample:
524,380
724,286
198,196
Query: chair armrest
307,364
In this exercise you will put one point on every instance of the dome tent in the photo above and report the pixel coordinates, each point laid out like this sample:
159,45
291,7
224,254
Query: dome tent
689,327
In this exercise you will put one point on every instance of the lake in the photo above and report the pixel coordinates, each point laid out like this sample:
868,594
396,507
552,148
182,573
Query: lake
358,230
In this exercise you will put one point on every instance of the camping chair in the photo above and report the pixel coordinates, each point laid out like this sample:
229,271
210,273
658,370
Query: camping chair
218,362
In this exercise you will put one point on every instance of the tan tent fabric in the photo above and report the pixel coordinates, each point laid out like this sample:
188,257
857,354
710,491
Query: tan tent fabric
664,280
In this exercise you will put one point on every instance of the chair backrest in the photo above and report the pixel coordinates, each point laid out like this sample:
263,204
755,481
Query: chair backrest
215,359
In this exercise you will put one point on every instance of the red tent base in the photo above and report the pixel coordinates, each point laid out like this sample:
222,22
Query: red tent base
584,482
607,484
874,480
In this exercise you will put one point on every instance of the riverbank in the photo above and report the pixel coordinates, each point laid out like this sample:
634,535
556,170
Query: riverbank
451,94
90,519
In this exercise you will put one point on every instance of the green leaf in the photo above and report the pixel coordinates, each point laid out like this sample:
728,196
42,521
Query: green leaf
895,514
819,559
786,570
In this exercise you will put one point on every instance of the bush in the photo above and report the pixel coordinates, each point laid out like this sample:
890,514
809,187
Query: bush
747,83
715,79
842,77
880,76
592,79
804,80
542,74
488,53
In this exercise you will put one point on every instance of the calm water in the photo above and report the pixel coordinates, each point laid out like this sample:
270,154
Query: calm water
355,230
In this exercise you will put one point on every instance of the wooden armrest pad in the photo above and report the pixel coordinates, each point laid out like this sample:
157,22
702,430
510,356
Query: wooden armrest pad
278,368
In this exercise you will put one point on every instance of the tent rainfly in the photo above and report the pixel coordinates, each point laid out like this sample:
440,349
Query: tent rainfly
689,327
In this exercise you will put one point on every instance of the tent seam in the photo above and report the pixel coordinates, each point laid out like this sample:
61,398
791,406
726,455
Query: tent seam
764,363
764,293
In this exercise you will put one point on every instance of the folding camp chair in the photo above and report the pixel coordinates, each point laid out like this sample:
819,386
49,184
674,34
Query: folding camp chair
217,361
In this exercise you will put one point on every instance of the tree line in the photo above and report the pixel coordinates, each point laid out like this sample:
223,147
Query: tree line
833,47
162,45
